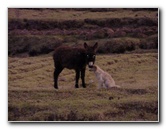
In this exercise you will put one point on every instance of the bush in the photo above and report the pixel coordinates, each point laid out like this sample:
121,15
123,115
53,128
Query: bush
149,43
44,25
33,45
43,48
34,52
112,47
118,45
130,46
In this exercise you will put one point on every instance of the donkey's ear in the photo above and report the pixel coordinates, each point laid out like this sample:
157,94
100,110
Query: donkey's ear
85,45
95,46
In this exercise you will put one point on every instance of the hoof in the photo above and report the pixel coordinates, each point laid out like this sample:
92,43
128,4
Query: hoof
83,85
76,86
56,87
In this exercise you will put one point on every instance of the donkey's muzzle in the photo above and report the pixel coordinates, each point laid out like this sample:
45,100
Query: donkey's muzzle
90,64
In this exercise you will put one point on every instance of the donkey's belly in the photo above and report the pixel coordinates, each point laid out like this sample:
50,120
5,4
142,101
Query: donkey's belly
75,66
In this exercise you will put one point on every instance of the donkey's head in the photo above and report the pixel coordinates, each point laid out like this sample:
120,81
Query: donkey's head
91,54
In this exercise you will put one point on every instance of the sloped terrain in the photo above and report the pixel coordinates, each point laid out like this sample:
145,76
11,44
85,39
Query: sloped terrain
38,31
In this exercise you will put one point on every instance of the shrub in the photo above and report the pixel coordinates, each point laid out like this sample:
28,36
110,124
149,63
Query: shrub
103,49
43,49
99,34
44,25
33,52
149,43
33,45
130,46
118,45
112,47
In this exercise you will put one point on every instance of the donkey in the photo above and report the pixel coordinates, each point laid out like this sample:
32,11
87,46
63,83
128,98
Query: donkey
74,58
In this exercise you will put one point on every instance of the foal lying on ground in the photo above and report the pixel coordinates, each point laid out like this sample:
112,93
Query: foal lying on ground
104,79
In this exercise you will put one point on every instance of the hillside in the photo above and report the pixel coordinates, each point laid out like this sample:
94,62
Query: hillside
38,31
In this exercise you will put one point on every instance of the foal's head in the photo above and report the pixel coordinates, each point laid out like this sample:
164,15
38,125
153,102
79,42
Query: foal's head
91,54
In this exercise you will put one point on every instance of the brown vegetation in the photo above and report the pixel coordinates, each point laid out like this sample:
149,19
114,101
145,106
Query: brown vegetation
35,35
37,31
32,97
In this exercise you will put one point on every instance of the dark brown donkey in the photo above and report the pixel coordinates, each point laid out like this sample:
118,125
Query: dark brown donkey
74,58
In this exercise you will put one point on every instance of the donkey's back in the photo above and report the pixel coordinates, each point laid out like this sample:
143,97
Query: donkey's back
70,57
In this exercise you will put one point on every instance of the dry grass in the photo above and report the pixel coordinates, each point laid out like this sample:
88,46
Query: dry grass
31,96
38,31
46,14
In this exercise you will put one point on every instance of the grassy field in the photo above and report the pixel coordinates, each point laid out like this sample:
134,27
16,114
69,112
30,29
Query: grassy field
31,96
128,50
70,14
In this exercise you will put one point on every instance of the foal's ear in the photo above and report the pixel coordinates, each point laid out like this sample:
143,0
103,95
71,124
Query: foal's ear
95,46
85,45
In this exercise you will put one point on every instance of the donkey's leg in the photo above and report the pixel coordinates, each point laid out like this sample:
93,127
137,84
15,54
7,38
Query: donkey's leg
57,71
83,77
77,78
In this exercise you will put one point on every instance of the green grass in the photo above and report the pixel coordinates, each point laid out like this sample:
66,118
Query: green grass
31,96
